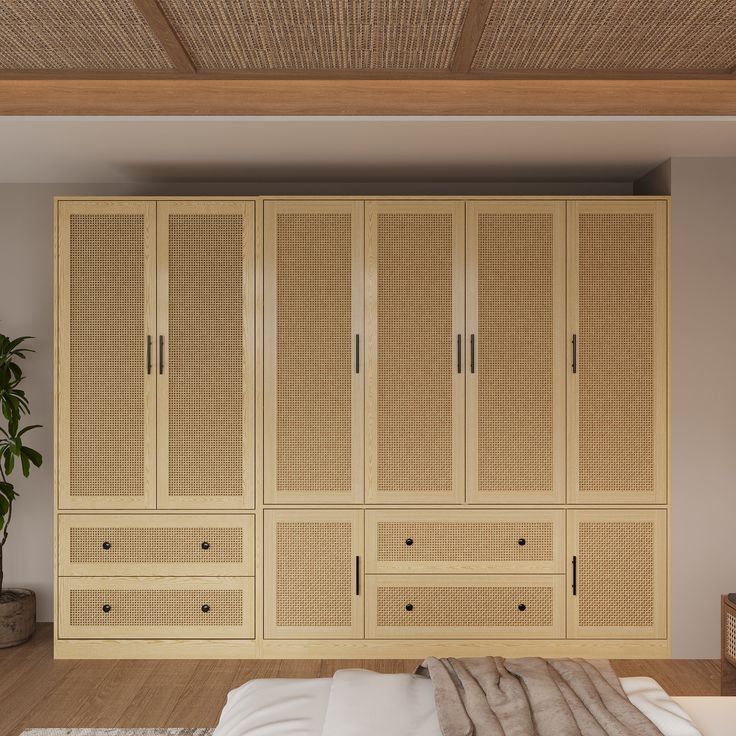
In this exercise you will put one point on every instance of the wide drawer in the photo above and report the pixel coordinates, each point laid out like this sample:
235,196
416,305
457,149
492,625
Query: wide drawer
156,544
156,608
504,540
465,606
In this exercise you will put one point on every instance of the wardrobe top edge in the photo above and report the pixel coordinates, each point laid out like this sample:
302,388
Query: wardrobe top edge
383,197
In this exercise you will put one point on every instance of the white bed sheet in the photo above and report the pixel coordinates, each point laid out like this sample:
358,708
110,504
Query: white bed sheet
291,707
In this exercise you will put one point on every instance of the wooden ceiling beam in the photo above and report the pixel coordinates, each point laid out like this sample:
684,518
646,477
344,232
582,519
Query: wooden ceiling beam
367,97
162,30
470,35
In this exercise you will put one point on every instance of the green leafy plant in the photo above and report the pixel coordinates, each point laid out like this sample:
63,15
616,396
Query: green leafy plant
14,452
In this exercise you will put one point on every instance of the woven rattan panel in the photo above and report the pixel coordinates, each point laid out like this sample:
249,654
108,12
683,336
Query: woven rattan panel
106,355
415,352
608,35
205,355
314,348
314,573
476,606
68,34
616,344
514,352
332,34
455,541
156,608
153,545
616,574
730,643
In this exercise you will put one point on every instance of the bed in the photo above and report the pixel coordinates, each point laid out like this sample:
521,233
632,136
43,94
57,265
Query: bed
363,703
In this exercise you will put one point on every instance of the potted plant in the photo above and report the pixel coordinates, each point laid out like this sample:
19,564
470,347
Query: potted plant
17,606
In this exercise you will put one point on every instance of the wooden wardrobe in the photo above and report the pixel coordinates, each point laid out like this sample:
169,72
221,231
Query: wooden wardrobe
361,428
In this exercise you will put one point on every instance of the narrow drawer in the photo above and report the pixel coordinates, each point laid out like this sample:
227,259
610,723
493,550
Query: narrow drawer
156,608
465,607
156,544
473,541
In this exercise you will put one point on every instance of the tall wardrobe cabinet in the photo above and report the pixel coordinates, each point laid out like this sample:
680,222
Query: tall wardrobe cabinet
348,427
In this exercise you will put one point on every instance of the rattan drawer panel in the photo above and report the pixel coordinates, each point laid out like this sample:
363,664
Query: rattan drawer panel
465,606
161,544
465,541
156,608
729,648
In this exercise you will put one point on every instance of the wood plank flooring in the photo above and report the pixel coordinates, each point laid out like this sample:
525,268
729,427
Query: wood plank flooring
37,691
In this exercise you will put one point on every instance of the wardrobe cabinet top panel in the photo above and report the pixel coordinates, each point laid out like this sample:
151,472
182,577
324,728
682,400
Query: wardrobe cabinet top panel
381,197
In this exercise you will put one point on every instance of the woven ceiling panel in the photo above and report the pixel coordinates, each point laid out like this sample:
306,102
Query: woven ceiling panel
318,35
609,36
69,34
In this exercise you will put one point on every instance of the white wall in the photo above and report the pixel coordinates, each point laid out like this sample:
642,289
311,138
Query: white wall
703,399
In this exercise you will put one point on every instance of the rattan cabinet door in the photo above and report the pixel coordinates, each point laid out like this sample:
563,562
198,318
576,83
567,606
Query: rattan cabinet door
617,574
106,318
617,316
515,379
313,373
206,356
313,574
415,368
465,607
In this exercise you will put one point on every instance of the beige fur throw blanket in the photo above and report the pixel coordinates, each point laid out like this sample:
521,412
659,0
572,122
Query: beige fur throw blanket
493,696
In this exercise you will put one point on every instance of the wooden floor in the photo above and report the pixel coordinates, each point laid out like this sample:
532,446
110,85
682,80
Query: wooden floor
36,691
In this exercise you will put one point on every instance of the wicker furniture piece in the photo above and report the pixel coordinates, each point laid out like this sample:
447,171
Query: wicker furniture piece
728,644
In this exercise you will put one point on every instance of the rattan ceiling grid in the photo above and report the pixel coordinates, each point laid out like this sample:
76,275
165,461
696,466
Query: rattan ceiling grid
68,34
318,35
609,35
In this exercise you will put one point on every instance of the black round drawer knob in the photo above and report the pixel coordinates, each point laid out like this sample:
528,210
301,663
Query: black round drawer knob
522,606
106,545
409,542
106,608
522,542
408,607
205,545
205,608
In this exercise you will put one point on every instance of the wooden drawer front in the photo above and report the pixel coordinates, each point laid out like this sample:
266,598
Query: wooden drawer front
465,606
165,544
156,608
465,541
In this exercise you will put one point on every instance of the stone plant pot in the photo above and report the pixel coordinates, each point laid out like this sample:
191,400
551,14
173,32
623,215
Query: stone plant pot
17,616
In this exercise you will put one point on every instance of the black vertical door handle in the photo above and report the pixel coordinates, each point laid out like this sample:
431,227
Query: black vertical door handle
357,353
161,354
459,353
574,575
148,354
574,353
357,574
472,353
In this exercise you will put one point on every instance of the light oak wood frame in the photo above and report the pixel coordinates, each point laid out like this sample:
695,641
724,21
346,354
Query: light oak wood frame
373,208
271,209
555,631
244,523
659,210
315,648
243,584
660,572
66,208
554,517
271,628
475,208
246,210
